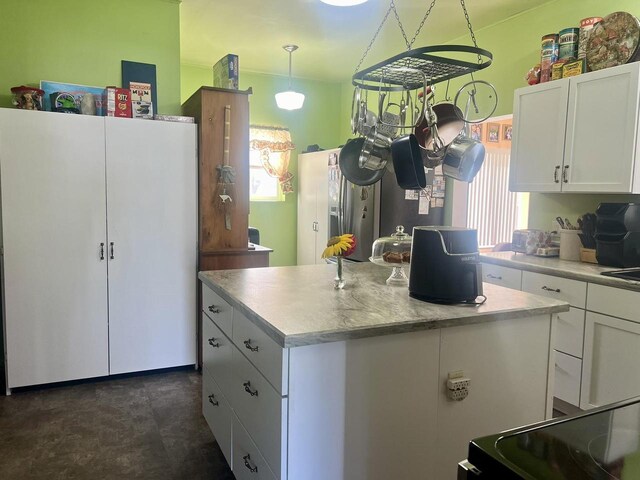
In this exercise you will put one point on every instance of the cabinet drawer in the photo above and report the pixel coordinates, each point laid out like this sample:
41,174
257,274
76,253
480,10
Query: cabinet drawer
503,276
217,309
567,378
616,302
570,332
248,463
269,358
262,411
217,413
216,354
571,291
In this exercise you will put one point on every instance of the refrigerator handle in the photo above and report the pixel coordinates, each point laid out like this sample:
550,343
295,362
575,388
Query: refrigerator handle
341,196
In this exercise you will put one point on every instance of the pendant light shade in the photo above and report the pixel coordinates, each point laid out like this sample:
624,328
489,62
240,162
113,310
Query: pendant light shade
343,3
290,100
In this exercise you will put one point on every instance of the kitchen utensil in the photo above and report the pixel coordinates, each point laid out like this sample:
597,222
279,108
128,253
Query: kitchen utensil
348,161
448,125
569,245
408,119
393,251
375,152
560,222
407,163
483,101
464,155
568,225
226,173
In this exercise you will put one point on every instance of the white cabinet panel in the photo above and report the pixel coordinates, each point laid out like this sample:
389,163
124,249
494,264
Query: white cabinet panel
151,211
217,413
216,354
571,291
217,310
503,276
537,148
567,378
611,360
248,463
570,331
53,222
614,301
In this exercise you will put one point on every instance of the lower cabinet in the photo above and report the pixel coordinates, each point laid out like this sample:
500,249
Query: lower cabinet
373,408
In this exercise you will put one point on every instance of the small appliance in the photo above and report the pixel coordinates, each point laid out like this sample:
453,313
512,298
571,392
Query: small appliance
618,234
445,265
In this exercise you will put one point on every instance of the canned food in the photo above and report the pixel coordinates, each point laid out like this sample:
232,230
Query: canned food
586,25
548,55
568,43
556,69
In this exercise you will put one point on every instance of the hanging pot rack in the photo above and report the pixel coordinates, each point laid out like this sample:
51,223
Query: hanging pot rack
433,62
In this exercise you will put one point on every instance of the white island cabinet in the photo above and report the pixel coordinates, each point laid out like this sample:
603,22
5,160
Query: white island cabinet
314,383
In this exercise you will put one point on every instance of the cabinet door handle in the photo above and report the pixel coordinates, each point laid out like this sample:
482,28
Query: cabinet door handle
212,400
213,343
556,290
214,309
565,174
247,463
101,250
555,174
495,277
247,345
247,388
112,256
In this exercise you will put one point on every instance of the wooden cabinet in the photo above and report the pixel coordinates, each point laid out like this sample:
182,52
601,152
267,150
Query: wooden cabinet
98,245
373,408
578,134
313,205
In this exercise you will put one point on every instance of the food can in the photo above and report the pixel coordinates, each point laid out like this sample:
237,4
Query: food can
586,25
556,69
548,55
613,41
571,69
568,43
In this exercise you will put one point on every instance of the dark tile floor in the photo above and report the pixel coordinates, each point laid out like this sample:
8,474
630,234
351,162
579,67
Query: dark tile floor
139,427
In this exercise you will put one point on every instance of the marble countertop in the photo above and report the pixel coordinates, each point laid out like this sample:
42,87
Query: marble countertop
298,305
586,272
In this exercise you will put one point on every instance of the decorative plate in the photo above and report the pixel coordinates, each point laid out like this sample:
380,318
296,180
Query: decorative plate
613,41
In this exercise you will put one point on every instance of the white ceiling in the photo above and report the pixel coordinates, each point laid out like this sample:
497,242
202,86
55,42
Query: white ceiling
331,39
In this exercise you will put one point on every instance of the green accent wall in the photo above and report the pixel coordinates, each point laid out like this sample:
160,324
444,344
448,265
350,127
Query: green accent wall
316,123
84,41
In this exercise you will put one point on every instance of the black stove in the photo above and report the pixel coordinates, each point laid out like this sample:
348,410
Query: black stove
603,444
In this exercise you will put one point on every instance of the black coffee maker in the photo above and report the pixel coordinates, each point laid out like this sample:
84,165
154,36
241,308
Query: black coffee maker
445,265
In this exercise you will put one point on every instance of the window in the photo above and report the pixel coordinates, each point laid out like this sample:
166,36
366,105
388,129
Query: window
269,152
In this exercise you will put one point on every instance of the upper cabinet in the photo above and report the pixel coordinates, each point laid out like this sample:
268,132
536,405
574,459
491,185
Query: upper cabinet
578,134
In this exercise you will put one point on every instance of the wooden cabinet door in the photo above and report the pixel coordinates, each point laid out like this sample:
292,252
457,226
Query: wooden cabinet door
611,360
53,222
537,148
602,122
151,212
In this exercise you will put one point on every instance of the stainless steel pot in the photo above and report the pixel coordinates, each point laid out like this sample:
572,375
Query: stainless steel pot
463,159
376,151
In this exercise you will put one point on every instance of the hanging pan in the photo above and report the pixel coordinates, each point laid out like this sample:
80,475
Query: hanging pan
349,163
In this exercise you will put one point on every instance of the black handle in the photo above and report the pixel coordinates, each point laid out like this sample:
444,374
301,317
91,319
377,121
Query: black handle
101,250
213,402
490,275
112,256
564,174
555,174
214,309
544,287
246,459
247,344
247,388
213,343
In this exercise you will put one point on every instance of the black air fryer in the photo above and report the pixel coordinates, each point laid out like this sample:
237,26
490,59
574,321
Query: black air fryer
445,265
618,234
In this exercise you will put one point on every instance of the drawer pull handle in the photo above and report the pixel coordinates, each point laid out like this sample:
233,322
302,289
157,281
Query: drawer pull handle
213,402
213,343
247,463
495,277
247,344
544,287
555,174
214,309
247,388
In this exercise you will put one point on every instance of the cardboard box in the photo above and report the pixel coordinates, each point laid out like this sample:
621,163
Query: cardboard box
225,72
142,109
117,102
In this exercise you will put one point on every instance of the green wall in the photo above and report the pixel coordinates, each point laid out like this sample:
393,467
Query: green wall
84,41
316,123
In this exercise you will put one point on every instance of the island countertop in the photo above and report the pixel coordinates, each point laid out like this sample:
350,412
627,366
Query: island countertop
298,305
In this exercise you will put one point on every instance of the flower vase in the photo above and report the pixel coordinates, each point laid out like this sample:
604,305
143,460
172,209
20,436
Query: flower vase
338,282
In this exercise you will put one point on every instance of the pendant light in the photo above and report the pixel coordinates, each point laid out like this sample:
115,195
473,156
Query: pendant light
343,3
290,100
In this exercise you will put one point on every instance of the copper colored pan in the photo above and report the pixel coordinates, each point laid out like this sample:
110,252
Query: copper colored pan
449,124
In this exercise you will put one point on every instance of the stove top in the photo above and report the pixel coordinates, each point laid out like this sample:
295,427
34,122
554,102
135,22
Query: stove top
599,444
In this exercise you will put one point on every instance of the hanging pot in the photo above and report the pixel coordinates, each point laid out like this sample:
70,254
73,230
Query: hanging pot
407,163
348,161
463,159
448,125
375,151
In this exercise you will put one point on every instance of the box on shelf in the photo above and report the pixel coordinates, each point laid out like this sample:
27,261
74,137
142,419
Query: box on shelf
117,102
225,72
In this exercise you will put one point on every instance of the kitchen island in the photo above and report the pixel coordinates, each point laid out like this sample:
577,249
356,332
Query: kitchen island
302,381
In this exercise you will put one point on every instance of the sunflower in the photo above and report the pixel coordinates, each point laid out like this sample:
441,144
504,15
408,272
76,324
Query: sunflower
340,246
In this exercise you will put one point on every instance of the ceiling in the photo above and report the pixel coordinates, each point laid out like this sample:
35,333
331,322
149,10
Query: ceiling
331,39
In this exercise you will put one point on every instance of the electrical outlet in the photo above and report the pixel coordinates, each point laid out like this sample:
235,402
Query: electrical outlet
458,385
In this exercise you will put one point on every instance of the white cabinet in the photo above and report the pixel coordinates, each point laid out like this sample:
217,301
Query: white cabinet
503,276
98,215
313,205
578,134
